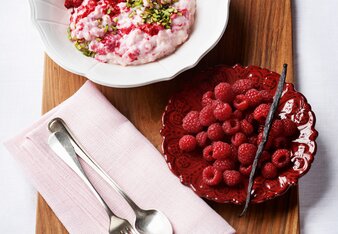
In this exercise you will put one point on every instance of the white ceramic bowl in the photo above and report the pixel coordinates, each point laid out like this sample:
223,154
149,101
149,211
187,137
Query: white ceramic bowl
51,19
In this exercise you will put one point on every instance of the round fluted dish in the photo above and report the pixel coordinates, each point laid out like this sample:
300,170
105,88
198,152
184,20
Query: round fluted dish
188,166
51,19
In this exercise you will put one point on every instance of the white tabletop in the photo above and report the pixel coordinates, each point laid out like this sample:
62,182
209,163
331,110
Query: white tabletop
316,69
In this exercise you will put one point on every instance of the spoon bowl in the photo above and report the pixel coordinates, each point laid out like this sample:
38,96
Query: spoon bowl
152,222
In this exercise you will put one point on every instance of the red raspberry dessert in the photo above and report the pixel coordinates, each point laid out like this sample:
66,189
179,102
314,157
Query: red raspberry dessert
231,177
223,92
187,143
221,150
215,132
242,85
238,139
228,130
241,102
206,115
222,165
231,126
246,153
254,97
211,176
207,98
191,122
269,171
202,139
261,112
222,111
207,153
281,158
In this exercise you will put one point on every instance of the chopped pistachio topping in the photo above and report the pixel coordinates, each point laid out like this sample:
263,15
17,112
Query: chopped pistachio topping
158,11
83,46
160,15
134,3
106,28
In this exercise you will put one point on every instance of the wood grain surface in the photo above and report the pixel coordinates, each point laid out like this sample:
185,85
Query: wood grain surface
259,33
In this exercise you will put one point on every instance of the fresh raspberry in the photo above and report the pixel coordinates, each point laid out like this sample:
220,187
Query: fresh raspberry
231,177
269,171
68,4
211,176
266,96
249,117
72,3
221,150
231,126
187,143
207,153
241,102
254,97
280,143
238,139
242,85
290,128
223,111
191,122
245,170
202,139
246,153
77,3
223,165
234,152
237,114
261,112
265,157
252,140
223,92
246,127
268,143
207,115
277,128
281,158
216,103
215,132
207,98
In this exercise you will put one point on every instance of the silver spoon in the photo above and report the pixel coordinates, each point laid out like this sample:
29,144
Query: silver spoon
147,221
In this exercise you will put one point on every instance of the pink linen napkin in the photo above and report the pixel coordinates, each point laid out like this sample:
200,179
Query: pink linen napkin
125,154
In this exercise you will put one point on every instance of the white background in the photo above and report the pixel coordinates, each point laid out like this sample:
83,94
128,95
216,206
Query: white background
316,67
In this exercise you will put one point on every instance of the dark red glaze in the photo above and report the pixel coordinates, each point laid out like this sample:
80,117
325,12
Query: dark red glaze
189,166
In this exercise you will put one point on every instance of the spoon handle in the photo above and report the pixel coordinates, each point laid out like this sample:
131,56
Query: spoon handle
58,125
61,145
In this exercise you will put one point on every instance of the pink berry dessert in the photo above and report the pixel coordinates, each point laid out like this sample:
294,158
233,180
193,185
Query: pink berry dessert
129,32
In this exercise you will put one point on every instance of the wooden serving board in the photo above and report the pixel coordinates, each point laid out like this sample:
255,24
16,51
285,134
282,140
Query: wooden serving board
259,33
